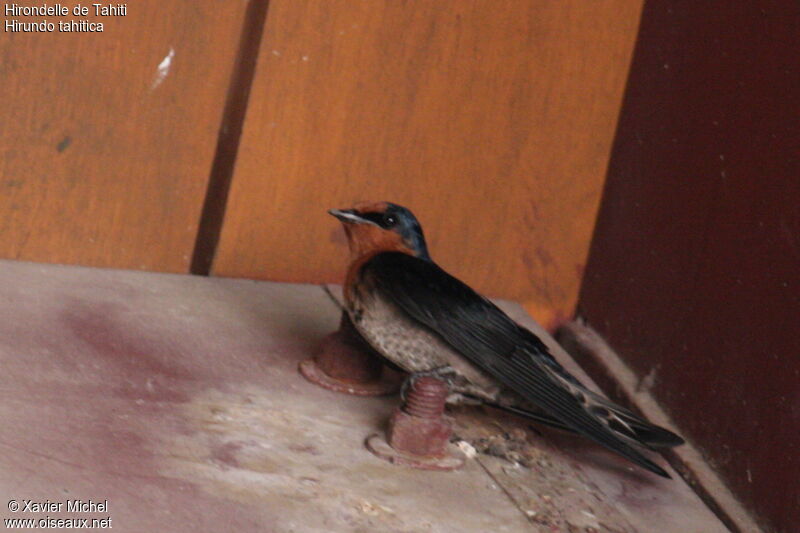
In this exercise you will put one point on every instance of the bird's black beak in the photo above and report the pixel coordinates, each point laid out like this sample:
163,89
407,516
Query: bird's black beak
348,216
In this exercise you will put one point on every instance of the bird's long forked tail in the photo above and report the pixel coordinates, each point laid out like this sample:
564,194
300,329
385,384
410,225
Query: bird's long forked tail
625,425
648,435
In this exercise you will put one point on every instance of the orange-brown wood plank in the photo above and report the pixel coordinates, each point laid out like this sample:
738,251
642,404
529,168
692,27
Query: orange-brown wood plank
491,119
107,138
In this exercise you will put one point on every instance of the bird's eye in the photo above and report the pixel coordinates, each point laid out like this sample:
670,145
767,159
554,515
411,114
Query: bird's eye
389,221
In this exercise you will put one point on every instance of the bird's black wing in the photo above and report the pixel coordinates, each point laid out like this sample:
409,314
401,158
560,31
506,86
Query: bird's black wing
493,342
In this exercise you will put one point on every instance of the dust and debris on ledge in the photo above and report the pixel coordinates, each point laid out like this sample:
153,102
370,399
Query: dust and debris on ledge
552,495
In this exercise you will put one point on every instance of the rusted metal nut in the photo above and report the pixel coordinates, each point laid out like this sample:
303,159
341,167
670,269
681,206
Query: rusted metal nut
420,427
346,363
419,436
419,432
346,357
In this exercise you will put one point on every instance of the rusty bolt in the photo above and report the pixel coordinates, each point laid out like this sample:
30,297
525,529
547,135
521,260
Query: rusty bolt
344,355
419,432
419,427
346,363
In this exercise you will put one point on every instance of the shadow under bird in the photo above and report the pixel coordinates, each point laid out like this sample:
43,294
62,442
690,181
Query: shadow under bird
427,322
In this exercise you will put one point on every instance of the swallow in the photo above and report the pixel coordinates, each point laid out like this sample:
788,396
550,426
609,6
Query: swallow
427,322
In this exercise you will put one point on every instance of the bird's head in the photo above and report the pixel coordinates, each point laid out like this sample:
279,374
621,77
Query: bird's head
382,227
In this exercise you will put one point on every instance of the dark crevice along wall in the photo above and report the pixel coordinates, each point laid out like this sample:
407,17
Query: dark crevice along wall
694,271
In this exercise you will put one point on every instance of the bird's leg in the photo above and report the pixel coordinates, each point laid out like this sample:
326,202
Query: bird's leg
444,373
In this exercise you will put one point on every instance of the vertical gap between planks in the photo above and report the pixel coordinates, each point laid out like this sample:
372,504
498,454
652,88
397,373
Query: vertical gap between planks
213,213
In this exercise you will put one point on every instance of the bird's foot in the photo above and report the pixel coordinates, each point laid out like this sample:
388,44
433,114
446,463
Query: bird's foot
444,373
459,398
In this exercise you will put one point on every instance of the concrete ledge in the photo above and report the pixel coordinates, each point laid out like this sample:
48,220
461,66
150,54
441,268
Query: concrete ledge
177,400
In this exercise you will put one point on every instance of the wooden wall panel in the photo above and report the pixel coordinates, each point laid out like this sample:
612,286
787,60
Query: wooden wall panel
106,139
694,274
491,119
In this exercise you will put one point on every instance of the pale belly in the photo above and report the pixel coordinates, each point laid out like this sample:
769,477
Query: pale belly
414,348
